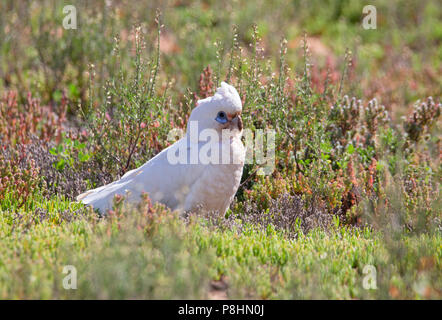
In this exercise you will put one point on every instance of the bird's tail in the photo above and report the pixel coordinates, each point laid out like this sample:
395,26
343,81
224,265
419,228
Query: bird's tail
85,195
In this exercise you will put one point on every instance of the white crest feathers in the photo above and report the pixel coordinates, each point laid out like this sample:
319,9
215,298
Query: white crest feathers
225,94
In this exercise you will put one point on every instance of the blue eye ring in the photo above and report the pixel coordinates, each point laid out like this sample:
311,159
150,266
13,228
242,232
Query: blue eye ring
221,117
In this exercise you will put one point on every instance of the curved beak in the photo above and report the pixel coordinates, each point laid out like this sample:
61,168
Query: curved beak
235,121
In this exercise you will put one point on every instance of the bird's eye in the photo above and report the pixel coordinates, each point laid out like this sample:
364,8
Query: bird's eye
221,117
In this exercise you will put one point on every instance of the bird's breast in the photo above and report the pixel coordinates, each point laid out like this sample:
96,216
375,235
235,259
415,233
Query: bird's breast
216,188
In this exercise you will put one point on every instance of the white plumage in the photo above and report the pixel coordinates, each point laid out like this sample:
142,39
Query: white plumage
189,184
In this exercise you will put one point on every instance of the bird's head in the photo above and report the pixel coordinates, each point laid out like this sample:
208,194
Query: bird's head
221,111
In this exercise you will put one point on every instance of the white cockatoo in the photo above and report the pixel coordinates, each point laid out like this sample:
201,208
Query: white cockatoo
200,171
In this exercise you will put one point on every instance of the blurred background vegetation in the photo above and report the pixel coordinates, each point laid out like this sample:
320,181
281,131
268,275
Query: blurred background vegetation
400,61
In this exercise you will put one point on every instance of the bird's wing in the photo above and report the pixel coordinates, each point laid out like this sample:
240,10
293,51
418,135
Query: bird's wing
164,182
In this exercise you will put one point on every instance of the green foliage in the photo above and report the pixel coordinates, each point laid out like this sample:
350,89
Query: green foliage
69,152
129,124
153,254
19,181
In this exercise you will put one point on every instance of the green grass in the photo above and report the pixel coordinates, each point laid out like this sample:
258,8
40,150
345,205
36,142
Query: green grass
158,256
